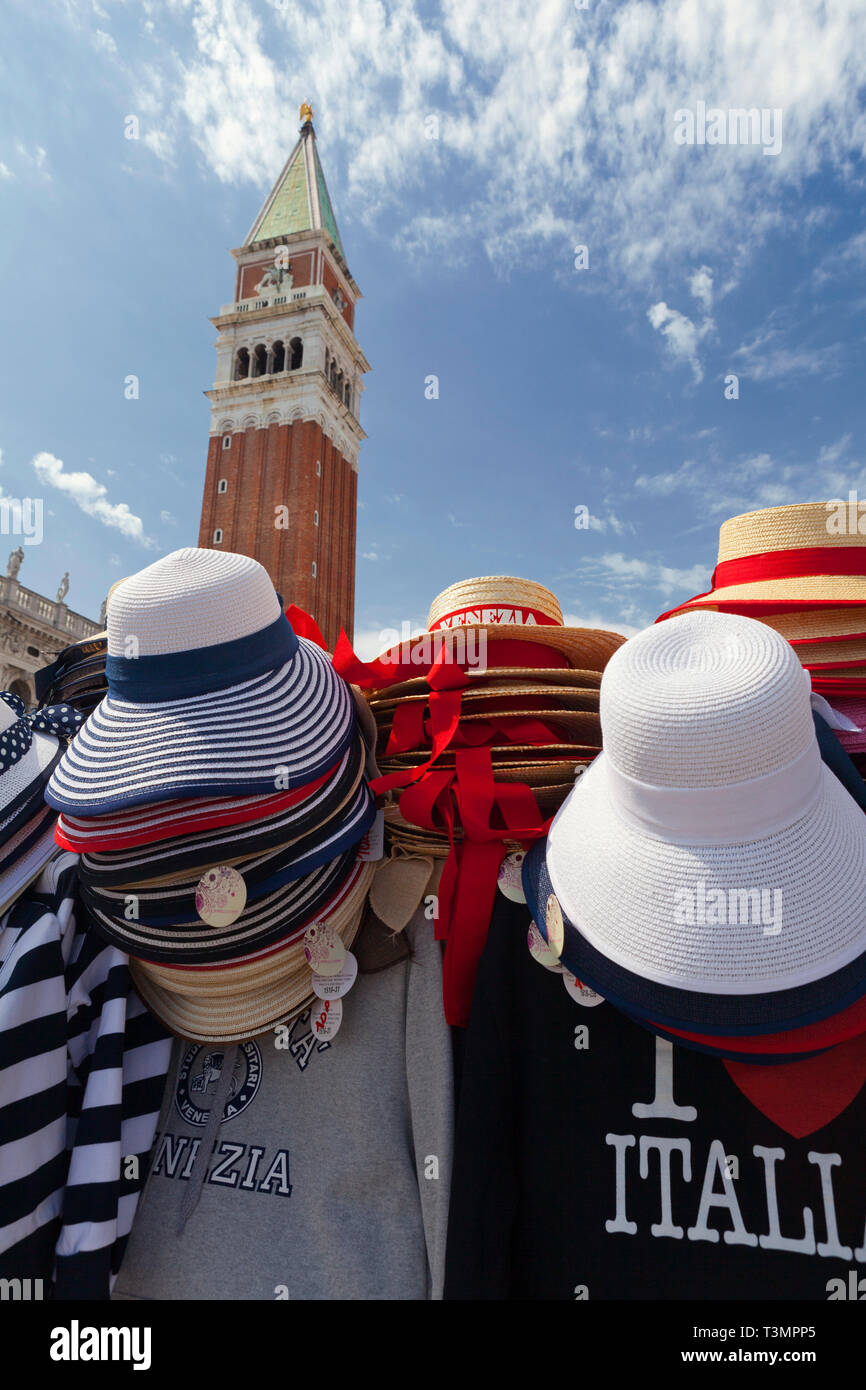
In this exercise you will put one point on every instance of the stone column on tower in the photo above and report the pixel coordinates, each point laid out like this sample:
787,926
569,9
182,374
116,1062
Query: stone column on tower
281,479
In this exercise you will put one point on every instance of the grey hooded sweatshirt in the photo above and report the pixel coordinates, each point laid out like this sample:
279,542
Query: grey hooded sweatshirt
329,1173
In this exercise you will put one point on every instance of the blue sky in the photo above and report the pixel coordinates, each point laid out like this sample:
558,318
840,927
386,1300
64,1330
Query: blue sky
558,387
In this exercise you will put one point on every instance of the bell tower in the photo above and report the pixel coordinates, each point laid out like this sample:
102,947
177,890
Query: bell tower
282,464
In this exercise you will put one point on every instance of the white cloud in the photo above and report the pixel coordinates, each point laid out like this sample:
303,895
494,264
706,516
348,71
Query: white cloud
701,286
599,95
765,358
104,42
681,335
5,171
34,159
90,496
611,521
650,574
369,555
728,487
831,453
844,261
676,480
599,620
168,519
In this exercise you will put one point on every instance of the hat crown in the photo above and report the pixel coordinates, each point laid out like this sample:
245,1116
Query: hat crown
703,700
190,599
496,591
797,526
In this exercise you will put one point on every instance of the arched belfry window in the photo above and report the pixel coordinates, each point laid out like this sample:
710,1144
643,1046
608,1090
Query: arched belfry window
242,364
259,360
279,357
297,354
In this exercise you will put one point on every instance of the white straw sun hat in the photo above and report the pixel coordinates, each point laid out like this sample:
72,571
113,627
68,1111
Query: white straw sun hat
710,787
210,692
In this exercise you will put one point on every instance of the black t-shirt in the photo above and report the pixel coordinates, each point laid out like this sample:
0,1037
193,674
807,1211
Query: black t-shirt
596,1161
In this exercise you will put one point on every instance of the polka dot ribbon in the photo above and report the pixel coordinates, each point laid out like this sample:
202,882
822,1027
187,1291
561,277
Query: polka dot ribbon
60,720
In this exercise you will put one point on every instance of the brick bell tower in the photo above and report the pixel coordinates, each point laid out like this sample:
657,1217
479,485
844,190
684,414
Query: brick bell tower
282,464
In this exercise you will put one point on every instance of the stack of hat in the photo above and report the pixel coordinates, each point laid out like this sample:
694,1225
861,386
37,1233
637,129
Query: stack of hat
77,673
30,748
801,569
707,875
76,676
217,796
483,721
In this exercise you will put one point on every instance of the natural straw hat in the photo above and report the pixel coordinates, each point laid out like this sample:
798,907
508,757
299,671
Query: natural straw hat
711,782
503,607
813,624
786,555
574,697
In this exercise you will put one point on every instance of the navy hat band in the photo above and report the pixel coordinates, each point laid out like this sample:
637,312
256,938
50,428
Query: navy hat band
175,675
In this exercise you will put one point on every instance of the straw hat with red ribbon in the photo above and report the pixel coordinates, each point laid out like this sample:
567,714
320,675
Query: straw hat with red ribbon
801,569
483,721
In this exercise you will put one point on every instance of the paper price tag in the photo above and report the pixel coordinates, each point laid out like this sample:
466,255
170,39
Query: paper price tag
581,992
335,986
540,951
323,949
510,878
220,896
326,1019
373,844
554,925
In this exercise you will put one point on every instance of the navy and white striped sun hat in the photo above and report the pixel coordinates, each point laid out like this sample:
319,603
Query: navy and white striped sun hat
210,692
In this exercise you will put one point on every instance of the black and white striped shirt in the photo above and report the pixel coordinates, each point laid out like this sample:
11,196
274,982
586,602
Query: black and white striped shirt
82,1072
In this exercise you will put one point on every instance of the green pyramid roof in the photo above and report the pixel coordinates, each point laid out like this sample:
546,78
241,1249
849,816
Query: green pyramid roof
299,200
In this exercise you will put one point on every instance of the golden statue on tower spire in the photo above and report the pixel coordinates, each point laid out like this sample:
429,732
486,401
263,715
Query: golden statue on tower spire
306,113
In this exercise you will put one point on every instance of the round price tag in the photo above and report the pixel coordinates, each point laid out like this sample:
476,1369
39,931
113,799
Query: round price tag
323,949
220,896
335,986
581,992
553,923
540,951
510,878
325,1019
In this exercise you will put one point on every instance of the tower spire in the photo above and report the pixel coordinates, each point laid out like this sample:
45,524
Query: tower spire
299,200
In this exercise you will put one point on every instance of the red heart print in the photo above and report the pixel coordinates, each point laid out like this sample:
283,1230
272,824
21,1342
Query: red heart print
802,1097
